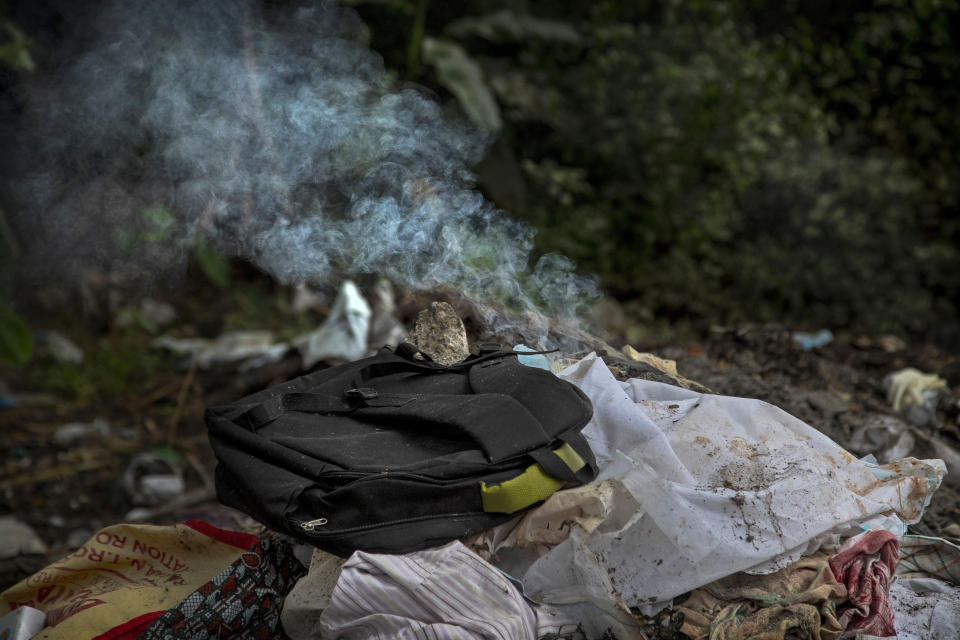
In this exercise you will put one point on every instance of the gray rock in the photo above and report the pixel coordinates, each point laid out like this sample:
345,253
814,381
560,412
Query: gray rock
440,334
310,596
62,348
68,433
78,538
18,539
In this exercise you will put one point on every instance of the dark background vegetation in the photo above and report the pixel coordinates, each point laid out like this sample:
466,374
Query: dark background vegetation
725,161
713,162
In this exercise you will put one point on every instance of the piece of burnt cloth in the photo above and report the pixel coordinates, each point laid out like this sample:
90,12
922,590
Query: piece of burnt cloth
799,601
243,601
864,564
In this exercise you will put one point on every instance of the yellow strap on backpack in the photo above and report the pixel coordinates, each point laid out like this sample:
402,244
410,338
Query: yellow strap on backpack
531,486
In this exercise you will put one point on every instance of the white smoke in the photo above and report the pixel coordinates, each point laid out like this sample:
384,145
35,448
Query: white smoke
278,138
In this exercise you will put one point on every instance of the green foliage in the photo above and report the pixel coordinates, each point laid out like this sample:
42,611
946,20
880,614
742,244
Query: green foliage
114,366
653,169
160,223
464,79
134,316
725,162
14,48
257,307
214,266
416,45
168,454
506,27
16,343
156,225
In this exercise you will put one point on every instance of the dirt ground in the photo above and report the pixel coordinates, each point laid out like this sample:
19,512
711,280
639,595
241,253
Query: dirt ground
67,489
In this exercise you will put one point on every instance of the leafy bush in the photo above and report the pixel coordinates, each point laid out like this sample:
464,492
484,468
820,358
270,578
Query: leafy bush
720,161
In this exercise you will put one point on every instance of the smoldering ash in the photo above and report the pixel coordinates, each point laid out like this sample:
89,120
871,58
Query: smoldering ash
277,138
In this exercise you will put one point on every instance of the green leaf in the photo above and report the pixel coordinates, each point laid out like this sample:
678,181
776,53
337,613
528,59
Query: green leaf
504,26
14,50
213,264
124,239
159,223
459,73
16,343
169,454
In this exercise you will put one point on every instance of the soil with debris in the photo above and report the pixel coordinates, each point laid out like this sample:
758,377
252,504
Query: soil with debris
66,487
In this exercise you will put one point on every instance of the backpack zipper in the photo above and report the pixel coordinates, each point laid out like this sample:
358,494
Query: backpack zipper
312,525
365,476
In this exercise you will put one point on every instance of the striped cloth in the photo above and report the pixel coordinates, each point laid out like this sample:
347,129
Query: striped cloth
924,555
446,593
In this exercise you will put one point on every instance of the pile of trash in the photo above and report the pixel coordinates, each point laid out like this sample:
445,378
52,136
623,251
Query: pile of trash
704,516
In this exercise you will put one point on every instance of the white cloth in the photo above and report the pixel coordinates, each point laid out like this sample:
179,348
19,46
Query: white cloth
693,488
925,609
444,593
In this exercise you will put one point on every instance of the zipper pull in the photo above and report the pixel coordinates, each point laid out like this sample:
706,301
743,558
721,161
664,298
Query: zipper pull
312,525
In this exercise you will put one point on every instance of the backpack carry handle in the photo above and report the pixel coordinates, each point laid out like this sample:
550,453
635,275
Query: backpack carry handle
406,362
271,409
305,402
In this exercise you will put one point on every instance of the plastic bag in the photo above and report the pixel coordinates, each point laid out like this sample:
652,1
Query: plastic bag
124,577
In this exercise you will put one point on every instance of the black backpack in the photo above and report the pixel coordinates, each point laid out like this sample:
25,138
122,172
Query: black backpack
391,454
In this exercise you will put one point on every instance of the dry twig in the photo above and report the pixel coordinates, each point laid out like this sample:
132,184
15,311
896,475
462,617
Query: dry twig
181,400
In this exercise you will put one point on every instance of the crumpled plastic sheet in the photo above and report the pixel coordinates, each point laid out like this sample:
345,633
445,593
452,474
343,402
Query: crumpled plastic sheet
537,361
693,488
889,438
23,623
885,437
925,609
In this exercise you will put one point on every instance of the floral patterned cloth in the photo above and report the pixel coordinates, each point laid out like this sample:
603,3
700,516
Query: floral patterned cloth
243,601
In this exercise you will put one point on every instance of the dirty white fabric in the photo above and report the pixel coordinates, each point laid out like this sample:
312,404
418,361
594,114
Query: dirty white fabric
448,592
693,488
251,349
925,609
